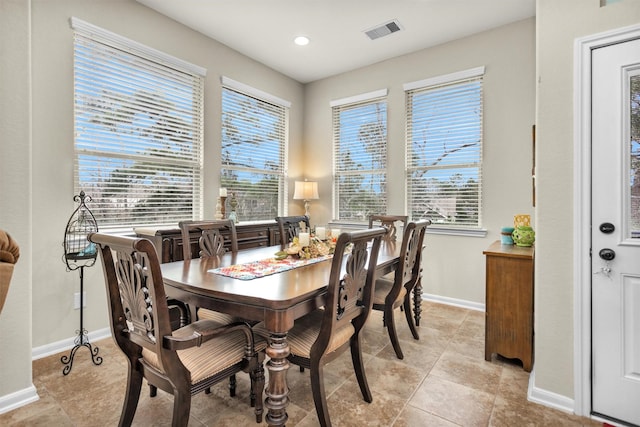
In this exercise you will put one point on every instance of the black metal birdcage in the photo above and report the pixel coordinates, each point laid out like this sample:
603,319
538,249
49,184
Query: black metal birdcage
78,251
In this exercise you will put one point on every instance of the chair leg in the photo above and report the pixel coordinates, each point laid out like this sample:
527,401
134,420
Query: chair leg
134,386
393,334
257,387
417,301
319,396
358,367
407,314
181,408
232,385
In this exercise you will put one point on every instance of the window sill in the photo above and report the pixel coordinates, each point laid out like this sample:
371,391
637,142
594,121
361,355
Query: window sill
449,231
432,229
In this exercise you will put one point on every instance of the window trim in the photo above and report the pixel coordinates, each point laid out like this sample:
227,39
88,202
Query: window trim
133,47
251,91
444,79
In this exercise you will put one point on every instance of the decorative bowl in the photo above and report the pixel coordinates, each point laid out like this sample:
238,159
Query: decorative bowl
523,236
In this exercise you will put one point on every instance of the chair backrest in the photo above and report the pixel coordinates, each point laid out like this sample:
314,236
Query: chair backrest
138,303
211,241
350,291
289,226
390,222
409,269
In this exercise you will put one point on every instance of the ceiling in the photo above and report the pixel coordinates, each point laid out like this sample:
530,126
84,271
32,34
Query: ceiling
264,30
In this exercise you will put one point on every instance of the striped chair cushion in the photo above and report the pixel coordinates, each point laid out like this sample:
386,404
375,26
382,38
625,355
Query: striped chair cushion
216,316
305,331
211,357
383,287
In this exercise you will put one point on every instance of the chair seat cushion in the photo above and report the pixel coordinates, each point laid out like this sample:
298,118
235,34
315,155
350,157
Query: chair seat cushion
383,287
305,332
216,316
211,357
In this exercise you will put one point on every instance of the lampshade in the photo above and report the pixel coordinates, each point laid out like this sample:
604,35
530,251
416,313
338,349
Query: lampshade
306,190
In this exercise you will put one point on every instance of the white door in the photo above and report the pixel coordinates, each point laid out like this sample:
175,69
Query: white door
615,231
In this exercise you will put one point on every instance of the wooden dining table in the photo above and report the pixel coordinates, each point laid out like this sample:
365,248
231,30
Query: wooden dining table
277,299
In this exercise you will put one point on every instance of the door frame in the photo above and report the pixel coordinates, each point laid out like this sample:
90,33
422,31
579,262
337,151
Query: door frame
582,208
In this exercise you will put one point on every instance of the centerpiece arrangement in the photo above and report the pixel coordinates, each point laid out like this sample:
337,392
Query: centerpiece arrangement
306,248
315,248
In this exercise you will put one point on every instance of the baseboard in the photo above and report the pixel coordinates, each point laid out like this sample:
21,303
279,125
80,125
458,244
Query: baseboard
548,398
454,301
18,399
66,344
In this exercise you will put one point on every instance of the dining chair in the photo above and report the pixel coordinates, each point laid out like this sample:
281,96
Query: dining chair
181,362
322,335
289,226
395,292
390,222
211,242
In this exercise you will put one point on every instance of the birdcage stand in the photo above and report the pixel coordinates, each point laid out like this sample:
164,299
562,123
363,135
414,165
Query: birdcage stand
82,340
80,253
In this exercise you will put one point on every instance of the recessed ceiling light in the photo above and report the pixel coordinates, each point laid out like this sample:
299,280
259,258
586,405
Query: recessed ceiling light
301,40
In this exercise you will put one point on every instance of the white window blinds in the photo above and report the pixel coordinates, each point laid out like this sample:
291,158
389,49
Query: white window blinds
138,131
444,149
254,150
360,158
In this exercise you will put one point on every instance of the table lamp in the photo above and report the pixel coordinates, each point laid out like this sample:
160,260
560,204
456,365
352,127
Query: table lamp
306,190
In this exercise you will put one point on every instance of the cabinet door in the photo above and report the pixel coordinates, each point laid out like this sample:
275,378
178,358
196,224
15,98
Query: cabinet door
509,308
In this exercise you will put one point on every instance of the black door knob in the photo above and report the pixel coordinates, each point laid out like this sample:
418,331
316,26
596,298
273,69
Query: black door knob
607,228
607,254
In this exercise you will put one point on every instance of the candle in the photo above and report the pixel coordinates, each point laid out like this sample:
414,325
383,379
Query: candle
303,239
223,192
335,233
321,233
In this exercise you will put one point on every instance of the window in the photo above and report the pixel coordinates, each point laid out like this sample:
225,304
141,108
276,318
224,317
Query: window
360,156
138,131
254,150
634,156
444,149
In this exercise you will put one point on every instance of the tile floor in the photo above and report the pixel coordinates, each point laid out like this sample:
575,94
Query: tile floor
442,381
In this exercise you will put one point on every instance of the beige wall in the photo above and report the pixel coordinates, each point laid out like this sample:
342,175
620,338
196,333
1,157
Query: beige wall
559,23
15,187
508,53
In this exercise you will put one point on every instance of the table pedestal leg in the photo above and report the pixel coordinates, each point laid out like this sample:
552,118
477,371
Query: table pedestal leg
277,390
417,301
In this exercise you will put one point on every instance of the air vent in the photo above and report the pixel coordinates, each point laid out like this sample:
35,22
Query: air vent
383,30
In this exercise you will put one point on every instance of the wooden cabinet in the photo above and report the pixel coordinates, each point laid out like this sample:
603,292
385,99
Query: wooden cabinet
168,241
509,303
